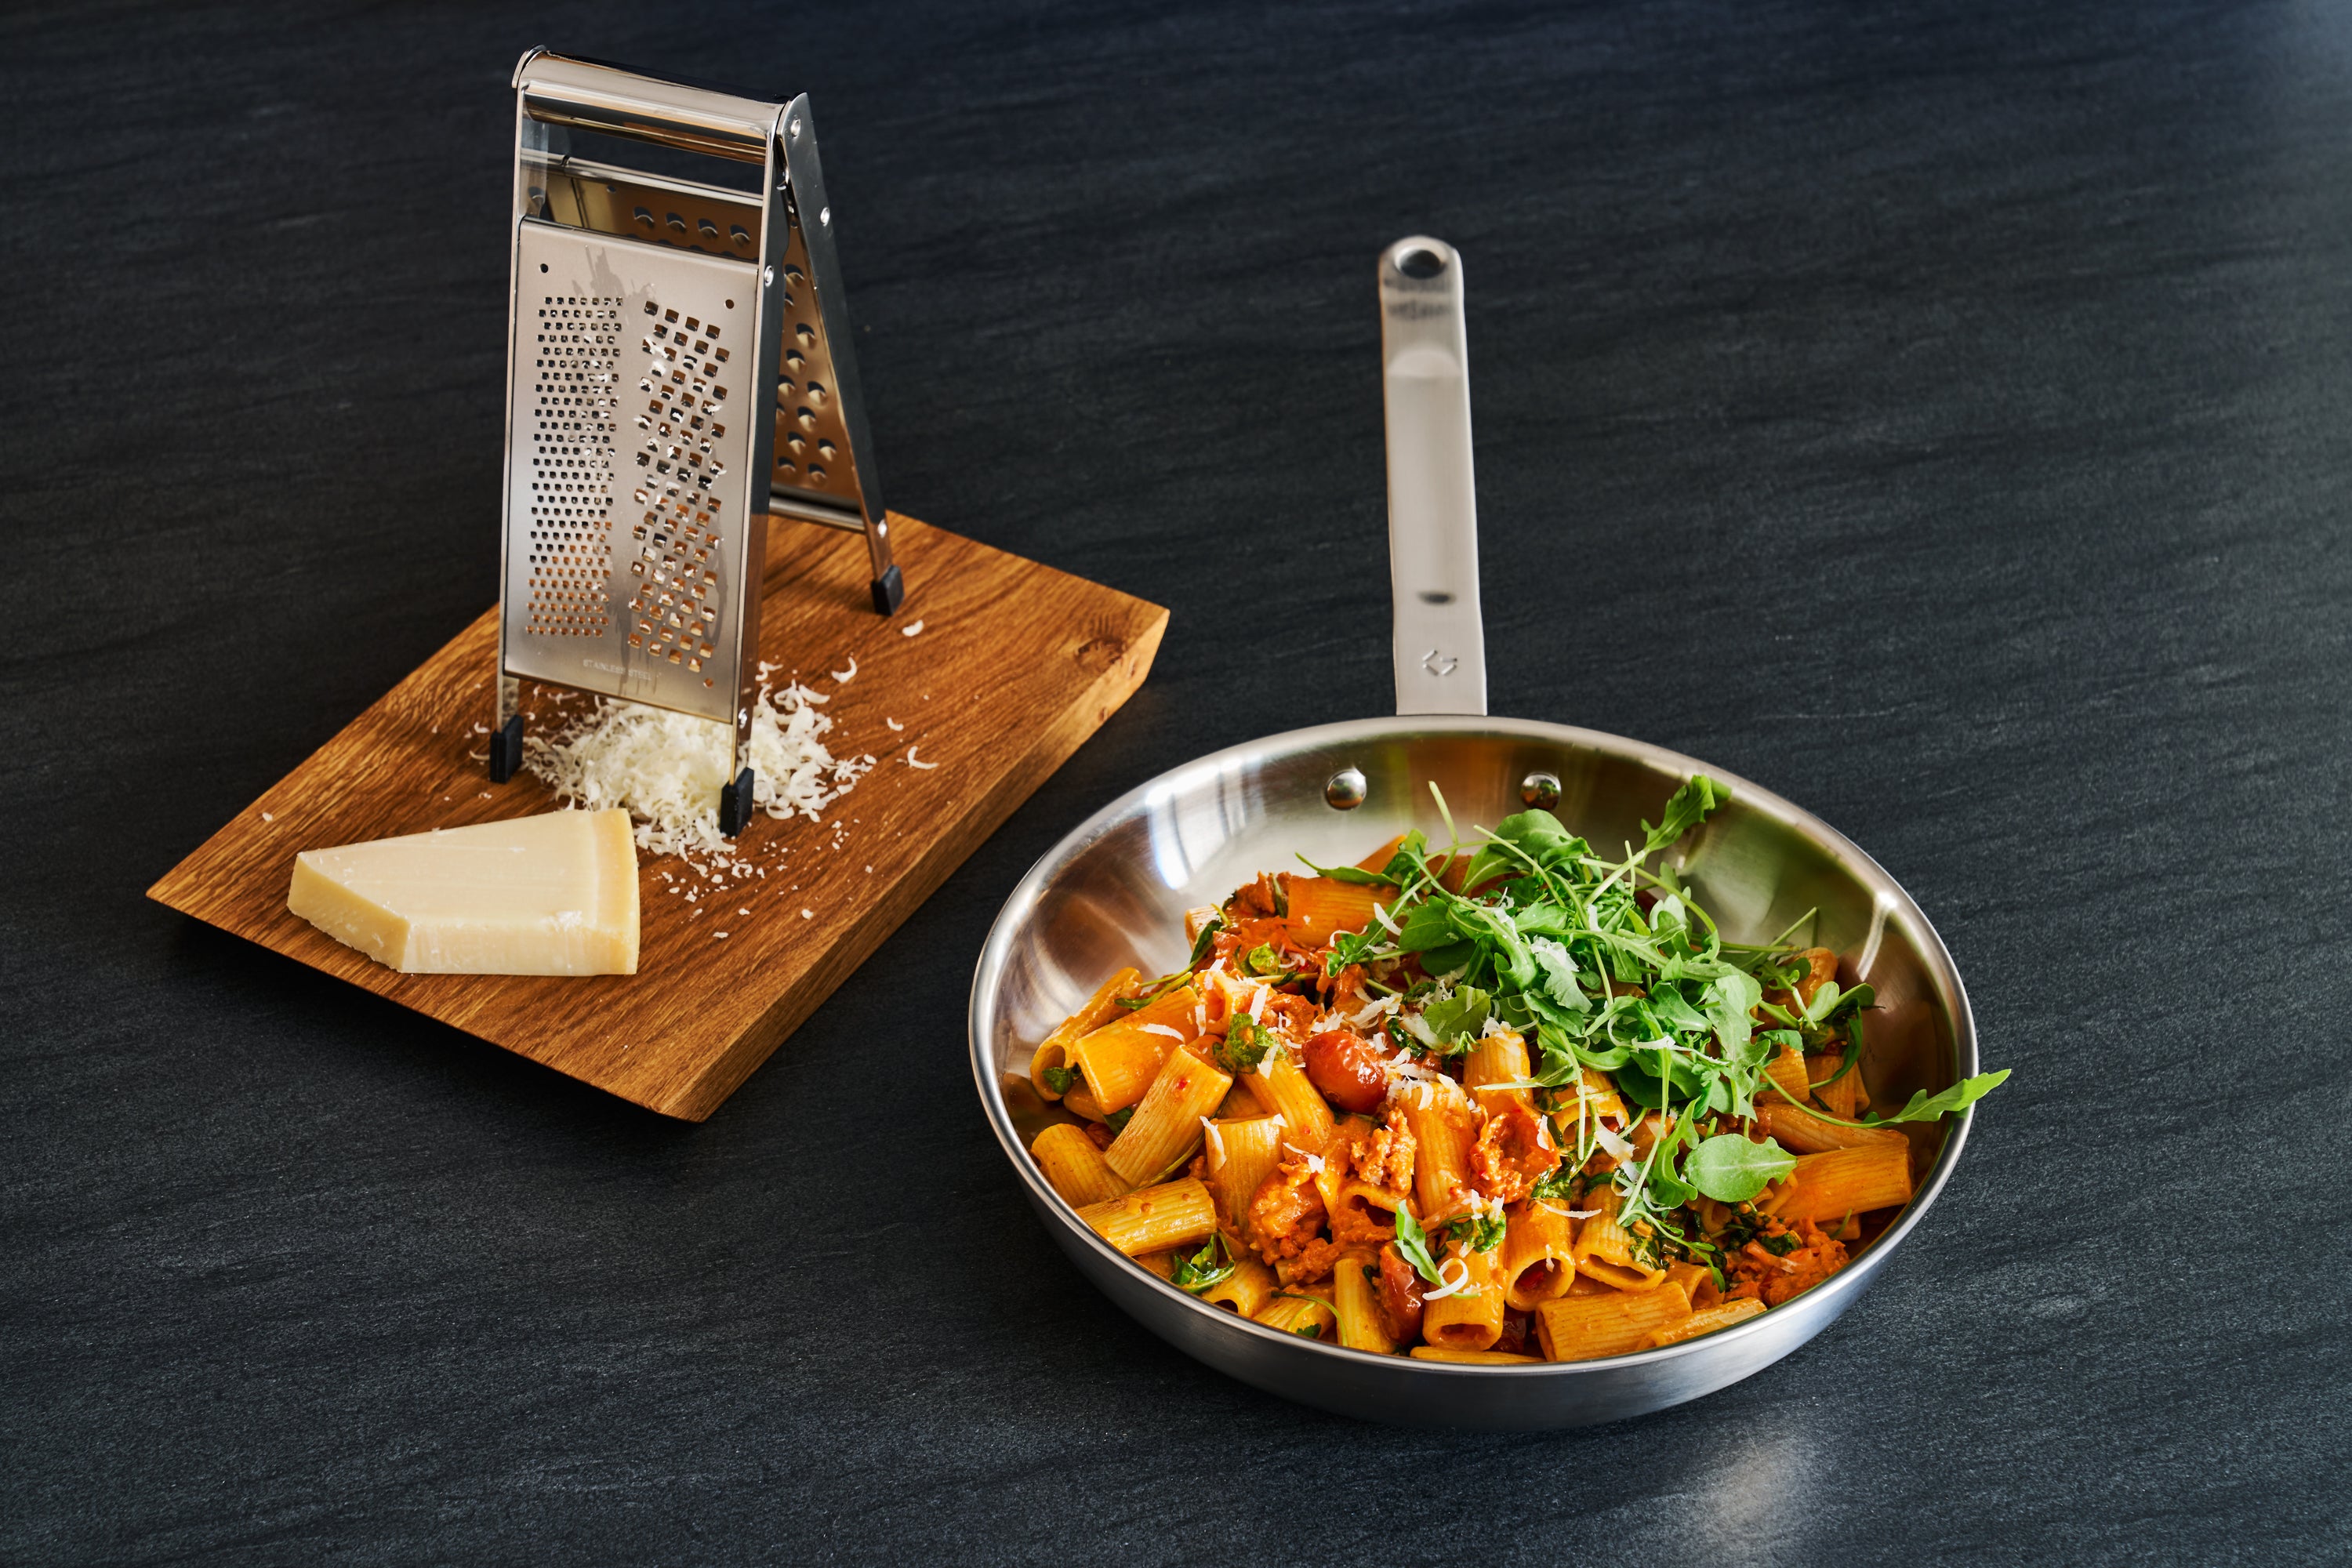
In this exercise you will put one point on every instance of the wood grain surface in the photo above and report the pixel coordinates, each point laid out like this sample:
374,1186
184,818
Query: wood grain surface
997,669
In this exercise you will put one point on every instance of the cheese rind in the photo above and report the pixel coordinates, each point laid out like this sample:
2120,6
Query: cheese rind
553,894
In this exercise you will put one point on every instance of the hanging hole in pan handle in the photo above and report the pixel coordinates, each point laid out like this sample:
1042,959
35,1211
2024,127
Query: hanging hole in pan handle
1438,637
1421,263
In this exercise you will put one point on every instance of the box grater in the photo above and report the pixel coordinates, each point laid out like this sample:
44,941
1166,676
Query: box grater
679,368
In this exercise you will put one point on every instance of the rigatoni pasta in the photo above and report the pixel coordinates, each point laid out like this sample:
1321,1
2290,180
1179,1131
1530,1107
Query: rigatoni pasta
1242,1155
1157,1220
1502,1101
1076,1167
1165,1127
1119,1060
1049,1065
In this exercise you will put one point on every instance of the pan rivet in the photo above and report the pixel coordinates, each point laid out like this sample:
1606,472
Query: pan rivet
1345,790
1540,790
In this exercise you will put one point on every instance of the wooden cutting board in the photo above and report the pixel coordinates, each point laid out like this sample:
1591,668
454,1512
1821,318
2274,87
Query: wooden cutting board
1014,666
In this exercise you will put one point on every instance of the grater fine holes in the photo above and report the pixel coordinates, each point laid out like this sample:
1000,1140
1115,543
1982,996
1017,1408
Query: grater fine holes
571,452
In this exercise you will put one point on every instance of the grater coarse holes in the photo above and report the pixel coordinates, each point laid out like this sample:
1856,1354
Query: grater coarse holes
680,373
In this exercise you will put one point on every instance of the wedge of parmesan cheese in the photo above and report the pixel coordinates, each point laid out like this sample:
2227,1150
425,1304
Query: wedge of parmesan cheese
555,894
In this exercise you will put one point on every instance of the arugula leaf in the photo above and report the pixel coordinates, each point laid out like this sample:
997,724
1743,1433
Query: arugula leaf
1853,1057
1555,1183
1212,1265
1532,841
1477,1232
1557,974
1117,1120
1413,1243
1169,982
1637,1080
1355,875
1460,1016
1431,925
1684,810
1059,1080
1455,958
1309,1330
1664,1189
1410,861
1729,999
1354,947
1731,1170
1780,1245
1670,1007
1245,1046
1924,1107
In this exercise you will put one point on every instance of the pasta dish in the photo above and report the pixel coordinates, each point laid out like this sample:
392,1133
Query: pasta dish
1507,1100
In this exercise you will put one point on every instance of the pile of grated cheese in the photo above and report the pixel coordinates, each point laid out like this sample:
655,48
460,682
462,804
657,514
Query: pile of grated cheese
665,769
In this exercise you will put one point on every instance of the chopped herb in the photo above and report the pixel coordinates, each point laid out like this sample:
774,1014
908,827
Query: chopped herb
1478,1232
1778,1245
1117,1120
1555,1183
1059,1080
1212,1265
1309,1330
1246,1044
1264,962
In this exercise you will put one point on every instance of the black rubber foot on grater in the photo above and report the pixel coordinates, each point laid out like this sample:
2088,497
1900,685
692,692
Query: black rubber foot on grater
889,592
506,750
735,805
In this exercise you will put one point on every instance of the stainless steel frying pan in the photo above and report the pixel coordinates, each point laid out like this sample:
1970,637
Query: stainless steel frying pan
1114,892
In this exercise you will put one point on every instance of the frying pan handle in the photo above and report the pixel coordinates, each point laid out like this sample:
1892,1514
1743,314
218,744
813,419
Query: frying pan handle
1440,641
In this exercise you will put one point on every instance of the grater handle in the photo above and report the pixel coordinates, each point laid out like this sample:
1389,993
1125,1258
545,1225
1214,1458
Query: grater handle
562,90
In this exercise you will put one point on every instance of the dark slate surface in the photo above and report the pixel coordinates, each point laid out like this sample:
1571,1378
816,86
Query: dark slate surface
1934,413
